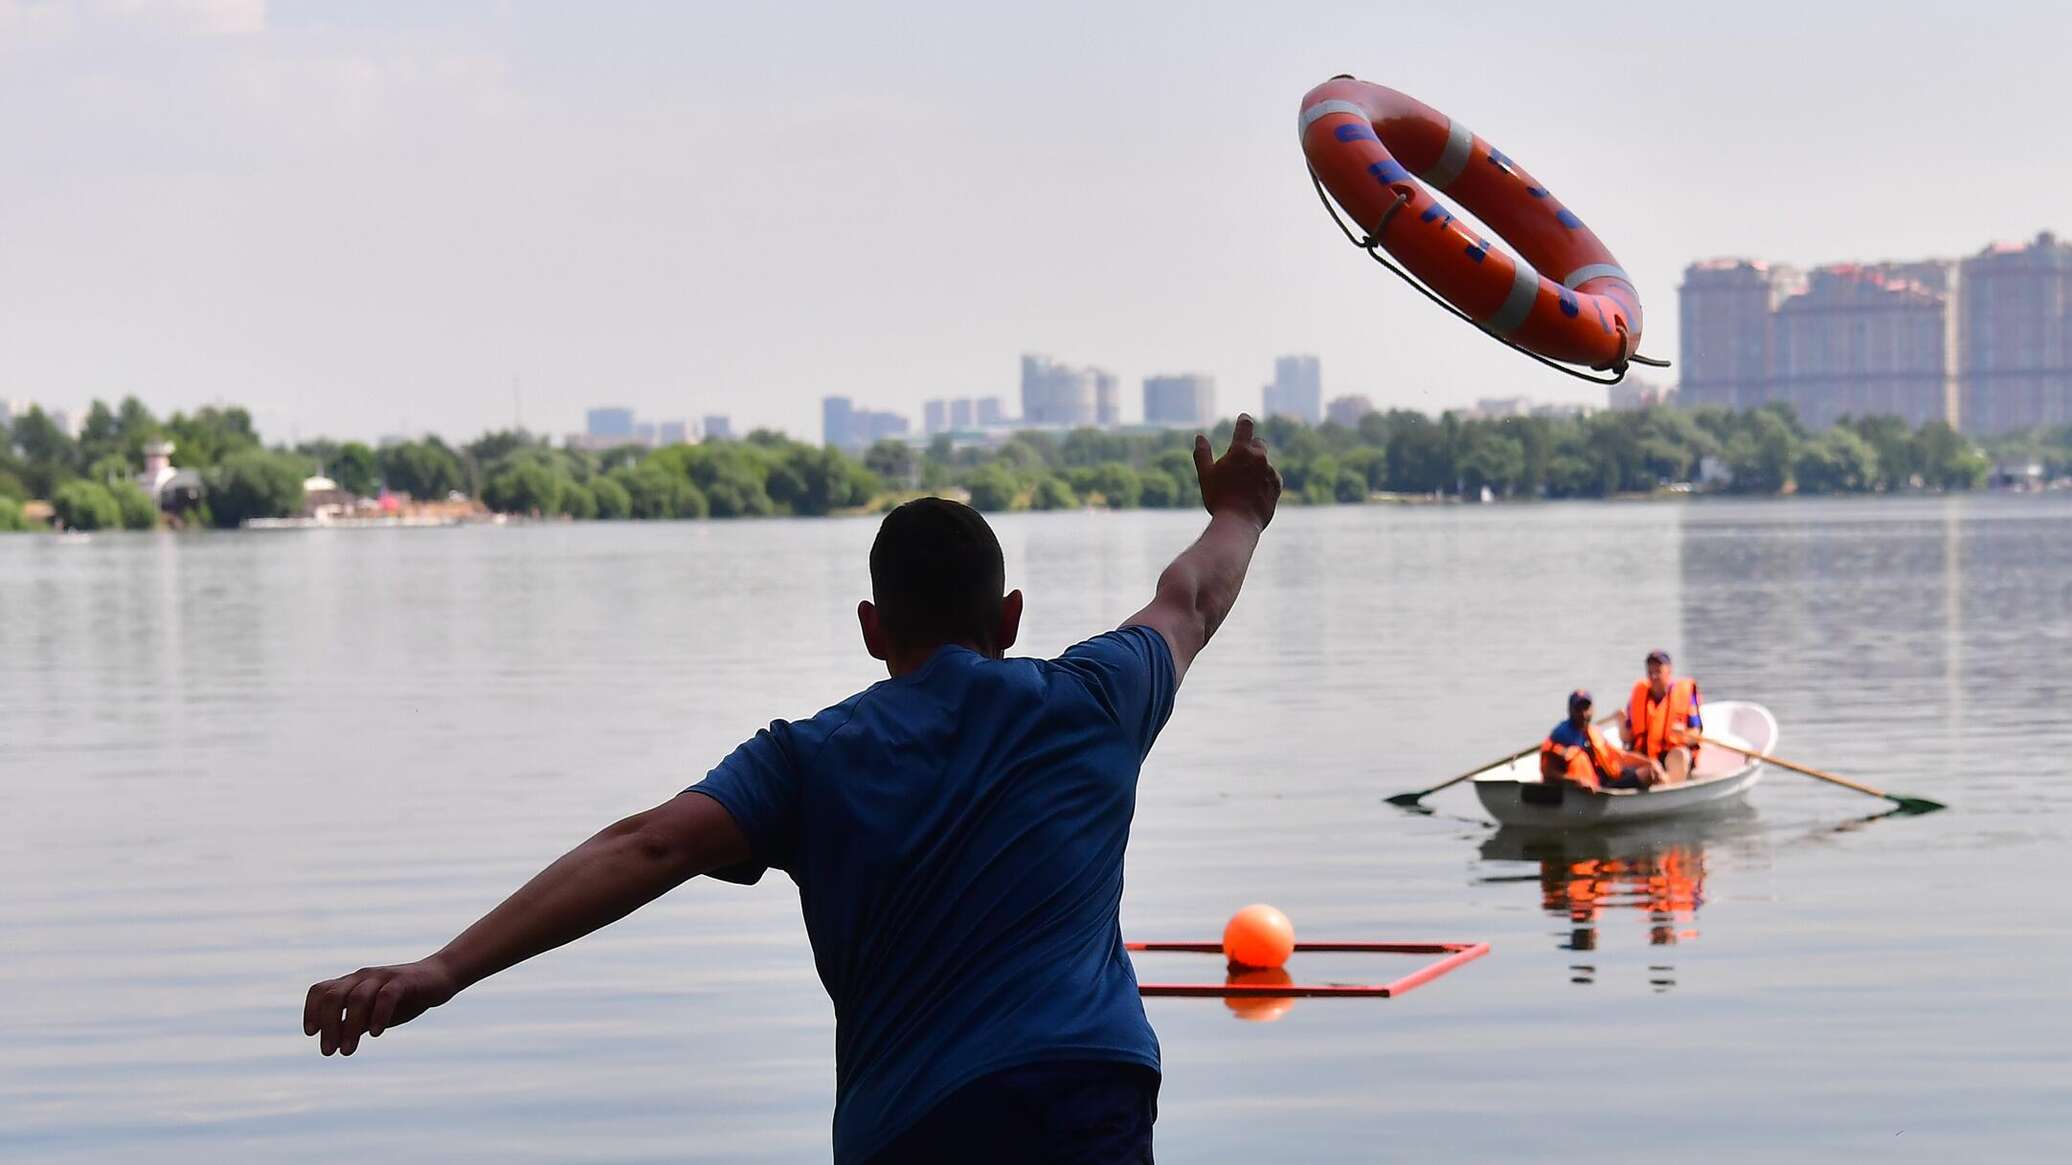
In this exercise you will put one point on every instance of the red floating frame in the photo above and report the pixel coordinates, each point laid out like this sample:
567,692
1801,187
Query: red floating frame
1456,955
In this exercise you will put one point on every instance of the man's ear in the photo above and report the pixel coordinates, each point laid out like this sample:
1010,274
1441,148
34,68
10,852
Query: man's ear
1010,622
873,631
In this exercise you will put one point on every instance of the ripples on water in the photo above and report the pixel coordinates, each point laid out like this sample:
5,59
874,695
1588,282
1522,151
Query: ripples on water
238,763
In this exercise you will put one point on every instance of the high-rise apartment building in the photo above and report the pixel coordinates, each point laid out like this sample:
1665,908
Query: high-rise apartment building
1297,389
991,412
1107,398
2015,336
717,427
837,420
962,416
845,426
935,416
1183,400
1633,393
672,432
1056,394
609,424
1866,340
1347,410
1725,311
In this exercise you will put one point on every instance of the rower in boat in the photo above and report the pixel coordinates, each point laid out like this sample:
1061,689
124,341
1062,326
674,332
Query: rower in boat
1662,721
1576,753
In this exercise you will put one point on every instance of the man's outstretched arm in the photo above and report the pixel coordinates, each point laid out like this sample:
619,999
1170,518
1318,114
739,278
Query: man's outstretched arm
1197,591
623,868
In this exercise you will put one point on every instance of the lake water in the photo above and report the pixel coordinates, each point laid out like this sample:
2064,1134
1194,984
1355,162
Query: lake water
235,764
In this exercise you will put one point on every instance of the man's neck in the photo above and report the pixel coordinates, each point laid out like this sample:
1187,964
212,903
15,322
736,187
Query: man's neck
906,661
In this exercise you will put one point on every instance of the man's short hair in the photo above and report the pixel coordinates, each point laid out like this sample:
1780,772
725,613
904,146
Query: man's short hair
937,575
1658,656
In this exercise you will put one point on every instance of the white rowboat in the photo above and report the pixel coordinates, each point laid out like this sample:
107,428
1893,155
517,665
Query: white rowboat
1514,794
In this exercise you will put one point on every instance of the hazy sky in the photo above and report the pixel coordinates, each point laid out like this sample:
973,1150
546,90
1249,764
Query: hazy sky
375,217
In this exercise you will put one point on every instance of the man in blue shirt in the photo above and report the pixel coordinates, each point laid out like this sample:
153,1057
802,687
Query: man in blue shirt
956,833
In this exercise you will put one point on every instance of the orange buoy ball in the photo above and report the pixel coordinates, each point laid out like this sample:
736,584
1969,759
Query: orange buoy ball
1259,937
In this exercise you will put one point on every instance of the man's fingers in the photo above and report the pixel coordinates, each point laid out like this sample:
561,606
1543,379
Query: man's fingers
330,1011
1241,434
312,1007
384,1010
357,1005
1204,458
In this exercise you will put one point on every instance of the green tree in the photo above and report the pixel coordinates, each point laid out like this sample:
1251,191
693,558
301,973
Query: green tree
992,488
48,455
1157,490
135,427
1352,486
527,487
85,505
611,498
578,501
356,470
654,492
138,510
1053,493
1117,484
1494,461
892,460
12,520
1760,456
1947,460
254,483
109,468
210,435
426,470
1178,464
1837,461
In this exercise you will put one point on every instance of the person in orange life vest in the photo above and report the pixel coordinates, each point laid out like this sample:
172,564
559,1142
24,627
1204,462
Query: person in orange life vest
1576,753
1662,721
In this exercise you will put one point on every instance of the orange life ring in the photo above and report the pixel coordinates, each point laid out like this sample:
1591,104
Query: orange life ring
1568,299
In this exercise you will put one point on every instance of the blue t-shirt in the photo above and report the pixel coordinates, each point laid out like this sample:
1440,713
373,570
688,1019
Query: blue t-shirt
957,835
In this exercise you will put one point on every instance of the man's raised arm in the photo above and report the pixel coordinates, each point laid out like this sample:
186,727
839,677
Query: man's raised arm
624,867
1197,591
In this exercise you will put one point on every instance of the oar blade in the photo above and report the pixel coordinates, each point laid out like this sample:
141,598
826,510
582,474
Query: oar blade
1407,800
1915,804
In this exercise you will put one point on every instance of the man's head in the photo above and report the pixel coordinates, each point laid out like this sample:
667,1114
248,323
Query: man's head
936,578
1658,671
1579,705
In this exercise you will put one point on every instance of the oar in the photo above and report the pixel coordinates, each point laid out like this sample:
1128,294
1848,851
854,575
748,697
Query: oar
1410,800
1906,804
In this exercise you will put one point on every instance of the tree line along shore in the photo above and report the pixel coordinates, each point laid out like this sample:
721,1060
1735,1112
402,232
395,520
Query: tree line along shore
90,482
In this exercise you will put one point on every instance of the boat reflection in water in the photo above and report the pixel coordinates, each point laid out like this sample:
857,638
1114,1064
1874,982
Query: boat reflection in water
1654,869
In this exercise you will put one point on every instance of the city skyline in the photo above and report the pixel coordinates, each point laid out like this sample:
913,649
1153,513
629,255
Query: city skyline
372,220
1983,341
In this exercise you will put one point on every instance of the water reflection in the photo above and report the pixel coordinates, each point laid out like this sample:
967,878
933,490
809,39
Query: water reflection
1651,872
1258,1008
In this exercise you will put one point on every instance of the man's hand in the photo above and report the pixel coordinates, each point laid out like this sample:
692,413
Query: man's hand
1243,481
373,999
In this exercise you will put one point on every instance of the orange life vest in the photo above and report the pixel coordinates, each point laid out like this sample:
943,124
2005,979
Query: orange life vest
1580,765
1660,725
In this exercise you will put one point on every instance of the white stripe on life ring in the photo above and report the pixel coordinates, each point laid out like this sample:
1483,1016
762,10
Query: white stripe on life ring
1460,143
1525,291
1582,275
1326,109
